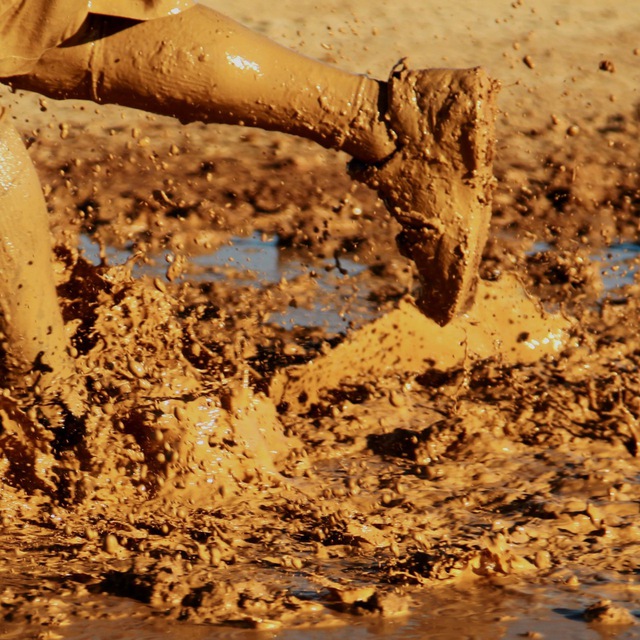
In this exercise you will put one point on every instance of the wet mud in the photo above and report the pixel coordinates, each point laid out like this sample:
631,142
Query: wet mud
372,473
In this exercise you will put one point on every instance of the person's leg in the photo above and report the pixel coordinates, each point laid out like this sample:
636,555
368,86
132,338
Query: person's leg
201,65
33,341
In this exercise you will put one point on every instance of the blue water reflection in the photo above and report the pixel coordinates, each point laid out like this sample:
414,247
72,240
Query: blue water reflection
256,260
618,263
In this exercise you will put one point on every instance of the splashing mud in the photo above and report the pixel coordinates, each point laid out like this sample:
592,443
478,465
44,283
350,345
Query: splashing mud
243,468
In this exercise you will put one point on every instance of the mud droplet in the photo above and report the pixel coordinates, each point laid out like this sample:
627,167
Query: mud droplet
136,368
397,399
111,544
607,65
90,534
543,559
215,557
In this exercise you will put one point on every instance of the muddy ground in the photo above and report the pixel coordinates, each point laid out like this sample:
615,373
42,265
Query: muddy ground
221,480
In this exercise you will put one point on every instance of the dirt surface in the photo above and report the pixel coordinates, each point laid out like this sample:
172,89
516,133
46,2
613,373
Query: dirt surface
296,449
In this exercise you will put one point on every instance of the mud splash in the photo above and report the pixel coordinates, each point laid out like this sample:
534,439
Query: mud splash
196,490
507,491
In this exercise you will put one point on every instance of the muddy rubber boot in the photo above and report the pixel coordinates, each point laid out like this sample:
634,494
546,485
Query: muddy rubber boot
438,184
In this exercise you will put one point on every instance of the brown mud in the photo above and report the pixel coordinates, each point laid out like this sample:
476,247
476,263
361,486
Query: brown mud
238,470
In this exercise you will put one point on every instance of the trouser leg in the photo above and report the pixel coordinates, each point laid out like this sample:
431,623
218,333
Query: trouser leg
201,65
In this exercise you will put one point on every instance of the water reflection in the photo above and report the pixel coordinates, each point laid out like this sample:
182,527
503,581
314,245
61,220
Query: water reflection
617,263
256,260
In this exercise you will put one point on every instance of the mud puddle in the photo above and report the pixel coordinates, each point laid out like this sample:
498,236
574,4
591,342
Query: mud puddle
615,266
375,492
618,265
477,498
491,612
341,295
370,495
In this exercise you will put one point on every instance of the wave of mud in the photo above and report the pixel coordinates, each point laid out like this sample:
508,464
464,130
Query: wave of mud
232,470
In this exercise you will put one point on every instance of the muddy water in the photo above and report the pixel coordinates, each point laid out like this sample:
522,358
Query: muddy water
486,498
492,613
349,488
339,300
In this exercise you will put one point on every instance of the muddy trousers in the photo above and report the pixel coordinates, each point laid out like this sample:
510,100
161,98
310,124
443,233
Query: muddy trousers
33,341
200,65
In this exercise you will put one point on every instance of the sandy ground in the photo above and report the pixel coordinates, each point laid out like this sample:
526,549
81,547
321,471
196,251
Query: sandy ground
245,465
